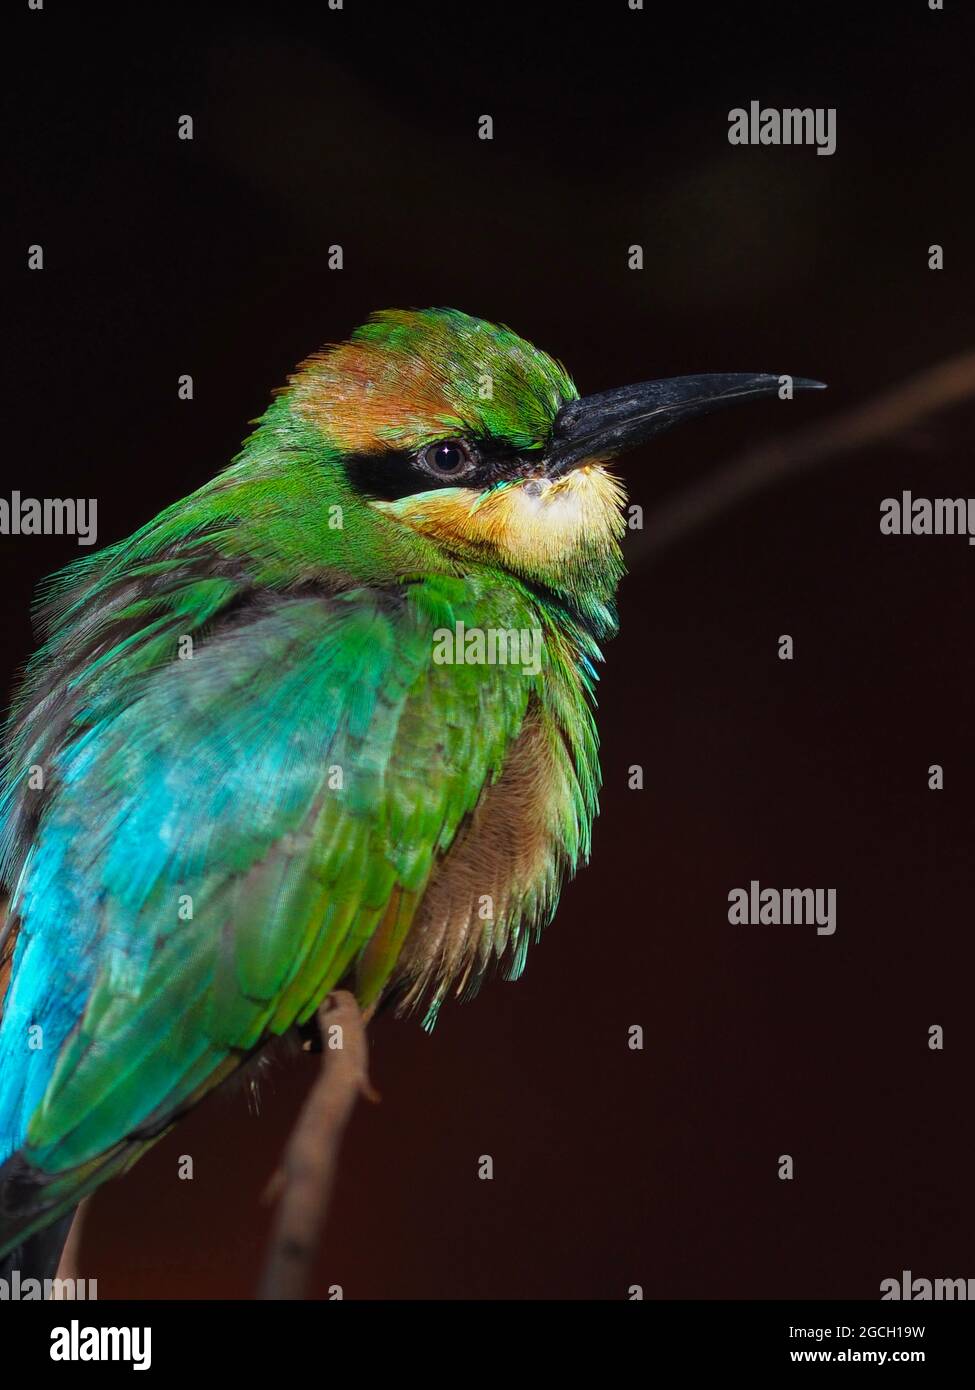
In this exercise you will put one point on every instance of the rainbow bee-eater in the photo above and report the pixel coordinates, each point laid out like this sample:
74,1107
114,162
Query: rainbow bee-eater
328,719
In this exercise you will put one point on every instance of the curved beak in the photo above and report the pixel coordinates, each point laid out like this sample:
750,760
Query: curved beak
600,426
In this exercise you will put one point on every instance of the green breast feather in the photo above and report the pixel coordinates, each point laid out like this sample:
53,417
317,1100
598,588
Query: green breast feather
327,719
259,808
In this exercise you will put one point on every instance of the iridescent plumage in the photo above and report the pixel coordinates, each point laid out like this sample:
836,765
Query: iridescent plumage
238,772
255,778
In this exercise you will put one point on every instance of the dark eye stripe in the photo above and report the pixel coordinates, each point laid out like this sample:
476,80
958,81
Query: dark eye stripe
389,476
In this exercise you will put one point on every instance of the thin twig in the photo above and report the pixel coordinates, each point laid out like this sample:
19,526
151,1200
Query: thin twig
307,1172
882,418
69,1263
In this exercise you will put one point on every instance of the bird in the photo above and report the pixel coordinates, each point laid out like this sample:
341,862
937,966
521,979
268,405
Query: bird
290,734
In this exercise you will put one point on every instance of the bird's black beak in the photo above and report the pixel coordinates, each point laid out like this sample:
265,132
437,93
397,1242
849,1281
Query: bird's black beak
597,427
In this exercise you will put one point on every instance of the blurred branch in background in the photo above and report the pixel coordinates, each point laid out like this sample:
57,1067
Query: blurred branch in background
913,401
304,1182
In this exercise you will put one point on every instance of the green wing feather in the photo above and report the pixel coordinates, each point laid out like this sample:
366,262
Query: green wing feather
238,833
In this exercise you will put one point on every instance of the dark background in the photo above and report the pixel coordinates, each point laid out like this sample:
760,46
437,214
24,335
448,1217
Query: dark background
358,126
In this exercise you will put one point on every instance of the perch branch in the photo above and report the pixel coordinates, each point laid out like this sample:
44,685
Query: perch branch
69,1265
304,1182
906,405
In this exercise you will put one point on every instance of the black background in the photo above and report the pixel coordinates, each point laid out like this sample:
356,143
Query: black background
358,127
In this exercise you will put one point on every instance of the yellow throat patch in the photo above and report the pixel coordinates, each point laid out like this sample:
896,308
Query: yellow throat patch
536,526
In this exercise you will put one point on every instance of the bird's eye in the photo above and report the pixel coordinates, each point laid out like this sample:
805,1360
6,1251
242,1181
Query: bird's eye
450,458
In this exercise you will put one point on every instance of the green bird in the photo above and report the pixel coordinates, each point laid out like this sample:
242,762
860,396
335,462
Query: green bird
328,719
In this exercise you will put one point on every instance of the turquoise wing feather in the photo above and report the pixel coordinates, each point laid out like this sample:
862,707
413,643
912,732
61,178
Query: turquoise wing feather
219,852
